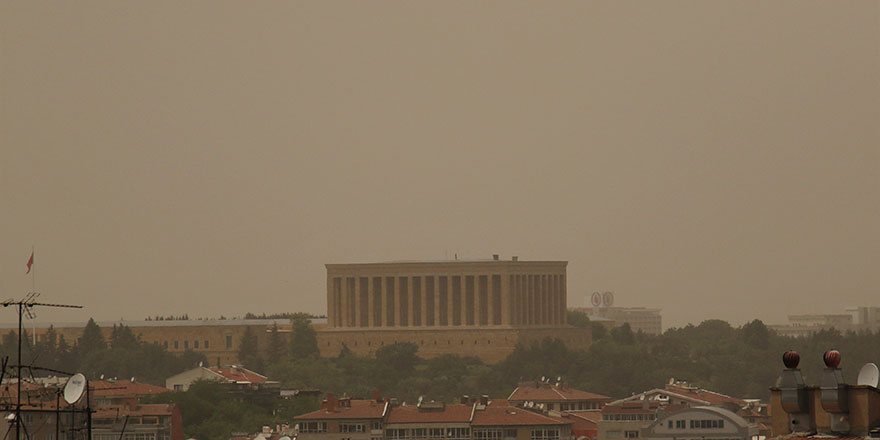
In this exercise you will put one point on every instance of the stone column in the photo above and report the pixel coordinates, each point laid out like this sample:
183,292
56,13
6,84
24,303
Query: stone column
384,302
490,298
409,294
478,300
371,303
564,293
450,302
357,302
423,301
343,291
331,304
533,312
545,293
463,295
436,284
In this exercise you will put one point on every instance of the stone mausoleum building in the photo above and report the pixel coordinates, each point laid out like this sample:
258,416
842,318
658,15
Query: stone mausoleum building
477,308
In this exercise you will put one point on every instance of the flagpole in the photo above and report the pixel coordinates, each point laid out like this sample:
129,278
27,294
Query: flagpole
33,272
33,289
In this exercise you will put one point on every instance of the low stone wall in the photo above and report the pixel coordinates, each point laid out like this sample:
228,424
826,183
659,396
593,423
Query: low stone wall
491,344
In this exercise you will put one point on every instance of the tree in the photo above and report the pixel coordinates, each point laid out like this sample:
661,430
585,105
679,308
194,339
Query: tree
276,349
122,337
303,339
623,334
92,340
577,318
399,357
249,352
755,334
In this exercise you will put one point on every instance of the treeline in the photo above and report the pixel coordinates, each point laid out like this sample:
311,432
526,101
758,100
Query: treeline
741,361
209,412
122,356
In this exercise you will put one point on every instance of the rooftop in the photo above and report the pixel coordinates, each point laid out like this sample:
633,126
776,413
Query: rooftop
543,392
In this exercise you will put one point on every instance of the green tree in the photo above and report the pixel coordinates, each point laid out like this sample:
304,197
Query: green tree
755,334
623,334
92,339
577,318
400,357
249,351
276,348
303,339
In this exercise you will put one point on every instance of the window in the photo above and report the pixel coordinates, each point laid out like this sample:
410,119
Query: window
206,344
352,427
545,434
376,425
228,341
176,345
631,434
178,387
310,426
509,432
669,424
420,433
458,433
186,345
140,436
397,434
165,344
679,424
487,434
435,433
196,345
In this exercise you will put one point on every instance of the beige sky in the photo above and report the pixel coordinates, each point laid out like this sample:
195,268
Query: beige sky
713,159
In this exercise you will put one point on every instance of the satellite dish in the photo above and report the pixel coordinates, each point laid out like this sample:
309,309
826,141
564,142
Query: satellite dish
284,438
74,388
869,375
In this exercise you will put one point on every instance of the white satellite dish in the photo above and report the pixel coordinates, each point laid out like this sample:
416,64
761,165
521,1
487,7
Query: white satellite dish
284,438
74,388
869,375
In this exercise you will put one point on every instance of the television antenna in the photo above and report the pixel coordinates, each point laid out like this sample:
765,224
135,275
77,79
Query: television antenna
24,307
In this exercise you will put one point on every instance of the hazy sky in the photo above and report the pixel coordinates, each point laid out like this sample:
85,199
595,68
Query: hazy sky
713,159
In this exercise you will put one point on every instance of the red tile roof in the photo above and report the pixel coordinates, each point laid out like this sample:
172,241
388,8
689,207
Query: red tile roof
456,413
552,393
124,388
499,415
710,397
153,409
584,420
639,407
359,409
239,374
592,416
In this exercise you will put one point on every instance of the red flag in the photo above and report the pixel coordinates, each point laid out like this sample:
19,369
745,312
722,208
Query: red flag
30,262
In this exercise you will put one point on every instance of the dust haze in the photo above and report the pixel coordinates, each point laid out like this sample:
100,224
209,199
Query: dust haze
712,159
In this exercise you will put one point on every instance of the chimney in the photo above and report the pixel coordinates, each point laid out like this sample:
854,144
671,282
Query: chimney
377,396
832,408
833,391
330,403
484,399
464,399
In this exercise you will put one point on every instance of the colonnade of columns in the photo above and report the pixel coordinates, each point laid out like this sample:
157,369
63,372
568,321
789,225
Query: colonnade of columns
446,300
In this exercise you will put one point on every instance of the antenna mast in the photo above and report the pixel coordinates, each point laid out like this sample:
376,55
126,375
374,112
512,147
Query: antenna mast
24,307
